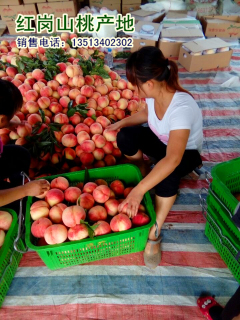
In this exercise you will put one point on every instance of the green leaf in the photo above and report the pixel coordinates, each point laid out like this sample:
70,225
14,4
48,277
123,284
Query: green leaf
94,117
71,112
70,104
86,176
42,114
91,229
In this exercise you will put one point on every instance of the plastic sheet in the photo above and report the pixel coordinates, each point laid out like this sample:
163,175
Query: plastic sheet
227,80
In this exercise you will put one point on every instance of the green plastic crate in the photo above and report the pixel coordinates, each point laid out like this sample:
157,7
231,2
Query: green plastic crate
226,244
9,258
102,247
226,180
224,215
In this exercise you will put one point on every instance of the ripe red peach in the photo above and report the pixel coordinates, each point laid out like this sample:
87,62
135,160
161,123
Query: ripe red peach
99,164
99,140
102,228
122,104
13,135
103,121
98,82
100,182
16,82
103,101
24,130
58,135
108,148
97,213
132,105
62,78
31,95
117,153
39,226
110,160
127,191
73,70
102,88
120,114
30,81
98,154
11,71
53,84
122,84
91,112
78,232
86,91
43,102
130,86
120,222
78,151
71,194
56,234
110,135
54,196
141,219
88,121
86,201
92,103
101,194
86,158
69,140
39,209
61,118
55,213
107,111
113,75
75,119
55,107
112,207
96,95
118,187
96,128
127,94
88,146
37,74
80,99
69,153
82,136
19,76
78,81
114,95
19,142
5,220
63,90
67,128
46,91
89,187
73,94
38,85
60,183
62,66
56,158
32,107
89,80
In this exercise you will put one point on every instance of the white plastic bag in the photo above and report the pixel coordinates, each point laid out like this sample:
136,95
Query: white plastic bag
226,80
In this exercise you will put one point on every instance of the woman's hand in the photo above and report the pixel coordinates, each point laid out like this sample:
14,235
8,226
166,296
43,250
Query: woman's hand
36,188
115,126
133,201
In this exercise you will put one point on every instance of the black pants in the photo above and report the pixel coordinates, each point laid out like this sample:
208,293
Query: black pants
13,160
132,139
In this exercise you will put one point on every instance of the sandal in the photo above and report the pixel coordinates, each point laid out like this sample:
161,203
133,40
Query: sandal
206,303
151,259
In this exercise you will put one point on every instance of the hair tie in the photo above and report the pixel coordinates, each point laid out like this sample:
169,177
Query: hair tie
167,64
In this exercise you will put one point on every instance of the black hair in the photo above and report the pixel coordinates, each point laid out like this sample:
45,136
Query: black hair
11,99
149,63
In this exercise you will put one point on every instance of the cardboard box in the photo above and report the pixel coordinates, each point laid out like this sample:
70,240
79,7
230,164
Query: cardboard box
11,27
11,12
110,4
221,26
137,34
133,1
128,8
204,62
33,1
11,2
170,49
58,8
139,43
3,27
142,15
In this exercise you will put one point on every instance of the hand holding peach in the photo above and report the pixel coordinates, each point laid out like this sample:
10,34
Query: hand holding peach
36,188
133,201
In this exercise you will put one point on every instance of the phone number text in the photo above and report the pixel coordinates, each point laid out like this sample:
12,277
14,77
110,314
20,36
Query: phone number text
102,42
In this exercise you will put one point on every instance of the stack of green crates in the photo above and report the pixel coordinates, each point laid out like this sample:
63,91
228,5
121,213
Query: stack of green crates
221,206
9,258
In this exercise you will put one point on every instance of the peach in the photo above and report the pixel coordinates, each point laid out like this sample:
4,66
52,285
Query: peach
89,187
61,118
99,164
5,220
55,107
82,127
122,104
96,128
130,86
56,158
32,107
39,227
37,74
11,71
13,135
43,102
88,121
75,119
33,119
67,128
71,194
89,80
63,90
96,95
100,182
2,238
132,105
4,74
122,84
110,135
78,151
60,183
16,82
98,154
114,95
86,158
117,153
101,194
102,228
39,209
69,153
56,234
55,94
98,82
127,191
82,136
103,101
112,195
20,141
38,85
31,95
19,76
86,91
30,81
92,103
120,222
73,94
80,99
107,111
86,201
127,94
112,207
58,135
108,148
62,66
110,160
78,81
46,91
102,88
73,70
141,219
117,187
69,140
53,84
62,78
24,130
103,121
113,75
119,113
91,112
97,213
98,113
99,140
141,208
78,232
88,146
54,196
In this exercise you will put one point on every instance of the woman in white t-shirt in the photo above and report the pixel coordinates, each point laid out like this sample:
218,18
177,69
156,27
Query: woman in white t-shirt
173,137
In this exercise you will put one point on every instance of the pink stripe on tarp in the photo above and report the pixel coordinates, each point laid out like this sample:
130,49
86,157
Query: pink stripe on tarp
101,312
216,113
221,132
193,184
220,157
188,259
185,217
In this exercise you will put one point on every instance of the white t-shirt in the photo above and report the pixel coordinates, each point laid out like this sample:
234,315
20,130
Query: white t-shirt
182,113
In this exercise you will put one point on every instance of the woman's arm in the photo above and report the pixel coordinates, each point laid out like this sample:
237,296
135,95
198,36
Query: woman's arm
134,120
33,188
175,150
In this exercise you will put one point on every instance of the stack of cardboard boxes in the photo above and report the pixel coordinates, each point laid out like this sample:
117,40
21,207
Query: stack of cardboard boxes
110,4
